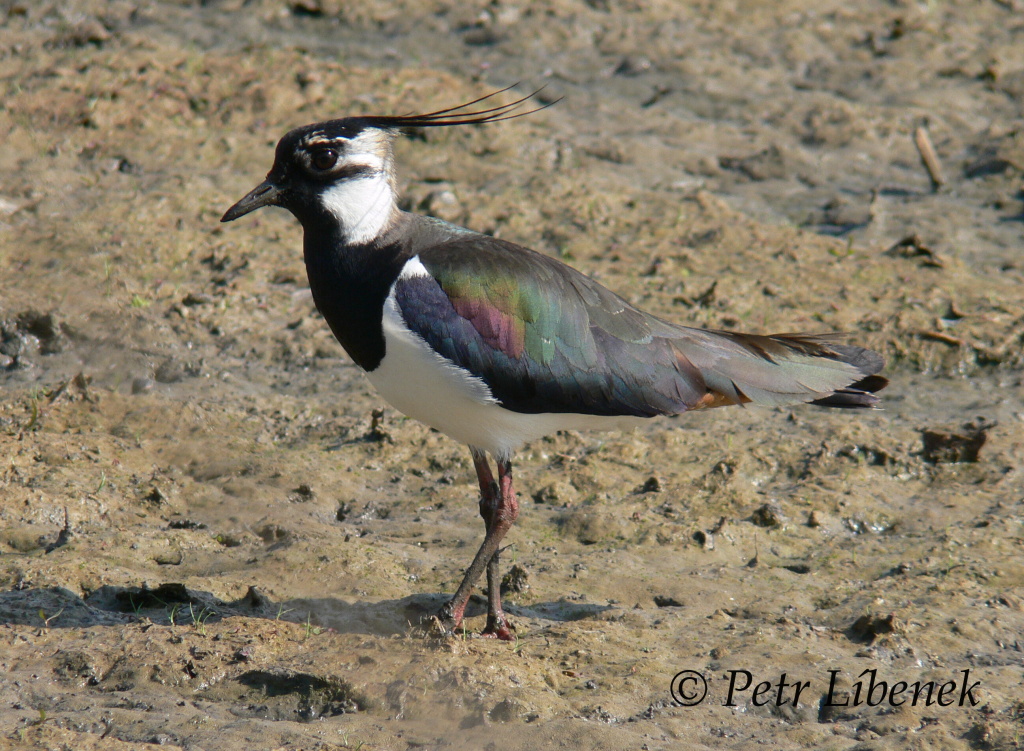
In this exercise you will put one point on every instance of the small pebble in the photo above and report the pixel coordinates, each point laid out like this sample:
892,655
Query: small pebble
142,385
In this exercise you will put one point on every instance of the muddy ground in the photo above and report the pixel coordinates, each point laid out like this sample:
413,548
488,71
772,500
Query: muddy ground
208,541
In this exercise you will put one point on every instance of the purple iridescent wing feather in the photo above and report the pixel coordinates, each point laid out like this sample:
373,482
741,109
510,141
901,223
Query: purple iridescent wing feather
546,338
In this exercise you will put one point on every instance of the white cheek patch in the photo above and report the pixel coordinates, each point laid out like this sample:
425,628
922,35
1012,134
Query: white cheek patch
363,206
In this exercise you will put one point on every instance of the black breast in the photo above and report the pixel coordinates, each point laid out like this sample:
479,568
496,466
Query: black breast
350,284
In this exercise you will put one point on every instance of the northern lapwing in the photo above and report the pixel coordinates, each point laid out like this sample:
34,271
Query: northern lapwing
497,345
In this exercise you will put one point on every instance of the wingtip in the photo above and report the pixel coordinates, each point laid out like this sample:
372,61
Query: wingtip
849,399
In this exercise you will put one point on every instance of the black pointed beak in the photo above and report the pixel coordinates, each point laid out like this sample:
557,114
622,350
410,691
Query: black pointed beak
264,194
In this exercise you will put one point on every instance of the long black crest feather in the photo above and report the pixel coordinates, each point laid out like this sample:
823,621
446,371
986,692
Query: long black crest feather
460,116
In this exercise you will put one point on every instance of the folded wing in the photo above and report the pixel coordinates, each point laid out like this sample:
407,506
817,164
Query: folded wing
546,338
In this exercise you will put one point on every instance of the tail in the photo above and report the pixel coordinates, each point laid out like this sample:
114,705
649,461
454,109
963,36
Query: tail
783,369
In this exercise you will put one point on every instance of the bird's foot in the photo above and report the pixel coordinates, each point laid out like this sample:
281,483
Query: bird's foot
448,620
498,628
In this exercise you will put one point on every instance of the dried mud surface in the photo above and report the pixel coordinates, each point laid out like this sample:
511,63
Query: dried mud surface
209,541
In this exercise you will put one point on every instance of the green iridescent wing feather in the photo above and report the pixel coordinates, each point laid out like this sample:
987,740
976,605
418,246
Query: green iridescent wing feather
546,338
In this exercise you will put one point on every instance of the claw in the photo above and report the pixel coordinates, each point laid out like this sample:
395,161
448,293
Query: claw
499,629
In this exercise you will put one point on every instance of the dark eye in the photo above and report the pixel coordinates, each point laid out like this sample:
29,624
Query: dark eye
324,159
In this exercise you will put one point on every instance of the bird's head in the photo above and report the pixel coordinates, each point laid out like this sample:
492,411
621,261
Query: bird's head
341,172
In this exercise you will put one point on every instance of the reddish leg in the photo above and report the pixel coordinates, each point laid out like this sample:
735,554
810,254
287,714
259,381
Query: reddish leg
499,509
489,494
497,626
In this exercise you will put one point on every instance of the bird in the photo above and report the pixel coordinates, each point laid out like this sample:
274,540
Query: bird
497,345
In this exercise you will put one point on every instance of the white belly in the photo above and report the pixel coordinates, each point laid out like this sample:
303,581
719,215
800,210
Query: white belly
420,383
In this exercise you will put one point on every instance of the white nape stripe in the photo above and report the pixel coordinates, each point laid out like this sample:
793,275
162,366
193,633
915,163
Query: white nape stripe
422,384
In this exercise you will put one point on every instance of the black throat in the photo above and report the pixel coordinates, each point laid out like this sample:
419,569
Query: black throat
350,284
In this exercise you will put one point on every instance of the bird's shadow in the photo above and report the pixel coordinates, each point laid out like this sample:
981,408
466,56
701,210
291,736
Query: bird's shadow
175,604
